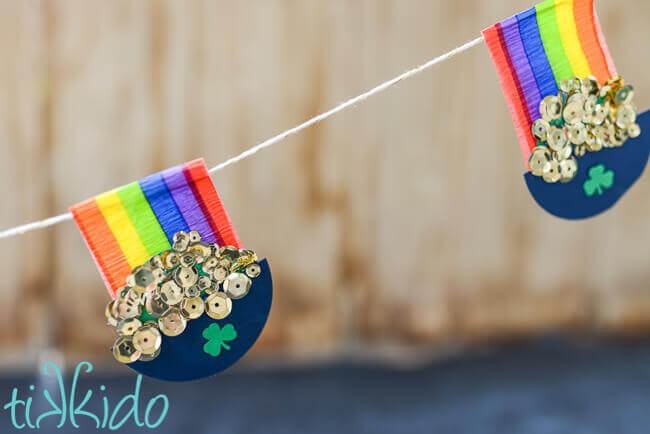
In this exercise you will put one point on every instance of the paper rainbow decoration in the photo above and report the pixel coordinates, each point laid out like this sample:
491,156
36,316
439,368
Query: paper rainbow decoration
126,226
534,50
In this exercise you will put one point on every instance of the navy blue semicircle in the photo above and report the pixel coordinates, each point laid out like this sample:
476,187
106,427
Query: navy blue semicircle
569,200
182,357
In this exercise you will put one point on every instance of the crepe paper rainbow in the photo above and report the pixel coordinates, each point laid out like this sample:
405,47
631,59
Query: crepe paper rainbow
126,226
535,50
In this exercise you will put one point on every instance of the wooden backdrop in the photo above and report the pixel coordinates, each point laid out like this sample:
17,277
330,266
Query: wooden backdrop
402,223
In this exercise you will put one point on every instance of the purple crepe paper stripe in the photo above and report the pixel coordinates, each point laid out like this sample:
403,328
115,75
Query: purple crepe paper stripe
520,62
187,203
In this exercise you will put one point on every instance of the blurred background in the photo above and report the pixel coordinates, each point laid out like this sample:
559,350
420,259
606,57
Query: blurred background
407,254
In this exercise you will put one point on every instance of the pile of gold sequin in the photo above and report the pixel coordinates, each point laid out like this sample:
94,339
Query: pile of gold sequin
176,286
582,117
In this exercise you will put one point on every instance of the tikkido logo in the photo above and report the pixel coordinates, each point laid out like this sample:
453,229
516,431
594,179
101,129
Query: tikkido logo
70,410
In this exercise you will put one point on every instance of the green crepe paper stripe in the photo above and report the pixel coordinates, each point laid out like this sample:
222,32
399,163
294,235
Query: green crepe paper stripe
141,215
550,34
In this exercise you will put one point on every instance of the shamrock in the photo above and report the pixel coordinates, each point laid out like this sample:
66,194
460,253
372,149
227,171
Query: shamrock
217,338
599,178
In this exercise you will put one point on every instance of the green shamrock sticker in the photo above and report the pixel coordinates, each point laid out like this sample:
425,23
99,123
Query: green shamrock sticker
599,178
217,338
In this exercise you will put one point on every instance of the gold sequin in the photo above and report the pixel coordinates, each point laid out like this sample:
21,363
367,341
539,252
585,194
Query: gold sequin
633,130
149,358
539,159
170,259
122,293
552,172
573,113
625,116
219,274
595,145
218,305
201,251
192,291
142,276
576,84
188,259
192,308
568,169
156,261
172,322
246,257
225,263
590,85
204,283
171,293
127,327
229,252
577,134
126,310
550,108
186,276
210,263
124,351
563,154
155,306
136,291
557,139
253,270
147,340
600,114
180,241
159,275
195,237
576,98
237,285
566,86
618,138
135,295
111,313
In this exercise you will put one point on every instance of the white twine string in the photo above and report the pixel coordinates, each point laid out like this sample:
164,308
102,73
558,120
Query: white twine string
51,221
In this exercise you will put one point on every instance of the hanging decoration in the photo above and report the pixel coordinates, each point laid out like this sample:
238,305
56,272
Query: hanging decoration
187,300
574,115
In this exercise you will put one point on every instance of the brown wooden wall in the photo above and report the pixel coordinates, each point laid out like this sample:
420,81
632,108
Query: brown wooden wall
401,221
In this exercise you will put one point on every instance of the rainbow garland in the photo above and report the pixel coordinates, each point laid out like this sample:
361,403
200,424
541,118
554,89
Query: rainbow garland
535,50
126,226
